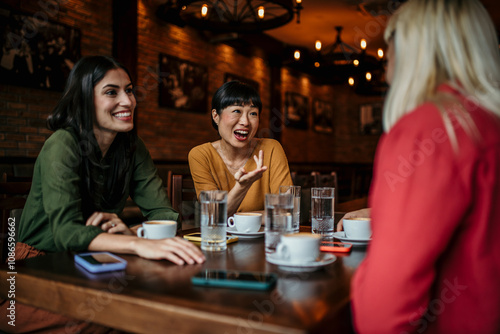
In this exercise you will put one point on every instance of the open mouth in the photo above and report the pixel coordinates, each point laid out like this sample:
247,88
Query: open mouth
123,115
241,134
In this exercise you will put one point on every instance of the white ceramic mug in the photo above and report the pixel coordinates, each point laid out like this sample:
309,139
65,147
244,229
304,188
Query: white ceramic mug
157,229
357,228
299,247
247,222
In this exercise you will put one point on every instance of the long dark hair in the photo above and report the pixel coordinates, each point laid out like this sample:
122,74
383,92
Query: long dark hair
76,112
234,93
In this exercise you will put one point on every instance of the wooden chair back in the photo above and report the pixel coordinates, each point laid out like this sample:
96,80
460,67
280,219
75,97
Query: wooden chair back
183,196
303,180
12,197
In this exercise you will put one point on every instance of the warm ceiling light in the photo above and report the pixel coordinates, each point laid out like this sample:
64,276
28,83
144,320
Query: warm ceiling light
363,44
355,62
298,1
260,12
351,81
316,64
204,10
380,53
317,45
296,55
368,76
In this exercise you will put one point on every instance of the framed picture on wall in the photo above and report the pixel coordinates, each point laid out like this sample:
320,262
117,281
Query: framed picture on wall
250,82
183,84
370,119
36,53
322,116
296,110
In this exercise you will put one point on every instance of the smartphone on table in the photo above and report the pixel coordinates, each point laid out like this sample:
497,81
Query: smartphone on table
196,238
335,247
99,262
235,279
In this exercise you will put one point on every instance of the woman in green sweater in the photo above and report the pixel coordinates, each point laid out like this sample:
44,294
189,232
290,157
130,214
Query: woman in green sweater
84,174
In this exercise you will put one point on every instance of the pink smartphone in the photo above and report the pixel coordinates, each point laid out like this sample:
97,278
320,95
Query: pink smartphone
333,246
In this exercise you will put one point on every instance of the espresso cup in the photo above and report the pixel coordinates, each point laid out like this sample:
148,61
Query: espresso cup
357,228
157,229
299,247
247,222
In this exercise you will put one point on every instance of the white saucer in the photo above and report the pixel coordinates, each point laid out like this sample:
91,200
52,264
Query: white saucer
246,235
324,259
357,242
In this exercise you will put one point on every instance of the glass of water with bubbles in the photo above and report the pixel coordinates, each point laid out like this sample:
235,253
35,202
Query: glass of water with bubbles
213,220
322,211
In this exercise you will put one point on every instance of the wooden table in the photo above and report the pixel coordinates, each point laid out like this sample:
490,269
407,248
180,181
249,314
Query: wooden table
157,296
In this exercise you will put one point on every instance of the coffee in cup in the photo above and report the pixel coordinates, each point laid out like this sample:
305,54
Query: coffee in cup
157,229
299,247
357,228
246,222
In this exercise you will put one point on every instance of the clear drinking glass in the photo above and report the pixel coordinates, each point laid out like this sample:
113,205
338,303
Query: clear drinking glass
279,212
295,191
322,211
213,220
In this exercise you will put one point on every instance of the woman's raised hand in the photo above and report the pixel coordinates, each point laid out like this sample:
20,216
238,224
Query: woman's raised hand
109,222
246,179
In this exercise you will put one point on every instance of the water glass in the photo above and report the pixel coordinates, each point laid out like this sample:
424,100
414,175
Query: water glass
295,191
213,220
322,211
279,211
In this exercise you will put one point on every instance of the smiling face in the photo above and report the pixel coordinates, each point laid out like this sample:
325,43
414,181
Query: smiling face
237,124
114,104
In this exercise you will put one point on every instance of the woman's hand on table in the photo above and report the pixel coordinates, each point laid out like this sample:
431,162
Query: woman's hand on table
363,213
176,250
109,222
246,179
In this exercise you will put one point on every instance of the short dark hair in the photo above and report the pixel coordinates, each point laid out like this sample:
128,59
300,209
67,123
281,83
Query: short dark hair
234,93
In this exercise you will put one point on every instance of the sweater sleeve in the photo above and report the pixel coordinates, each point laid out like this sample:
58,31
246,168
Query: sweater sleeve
59,164
147,189
413,220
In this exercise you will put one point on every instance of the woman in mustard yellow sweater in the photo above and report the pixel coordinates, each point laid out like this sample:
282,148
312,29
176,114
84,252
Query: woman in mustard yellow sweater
245,166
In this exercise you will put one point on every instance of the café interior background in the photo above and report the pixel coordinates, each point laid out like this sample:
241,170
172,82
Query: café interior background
131,31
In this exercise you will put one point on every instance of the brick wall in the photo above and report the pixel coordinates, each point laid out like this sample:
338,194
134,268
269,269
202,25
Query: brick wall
169,133
23,111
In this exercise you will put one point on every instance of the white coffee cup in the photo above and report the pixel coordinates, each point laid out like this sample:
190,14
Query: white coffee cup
157,229
246,222
357,228
299,247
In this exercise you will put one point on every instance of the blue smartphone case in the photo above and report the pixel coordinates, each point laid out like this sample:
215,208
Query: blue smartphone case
235,279
92,263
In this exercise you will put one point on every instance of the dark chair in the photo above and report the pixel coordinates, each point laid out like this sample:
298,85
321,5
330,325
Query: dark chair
183,198
12,200
327,180
303,180
306,182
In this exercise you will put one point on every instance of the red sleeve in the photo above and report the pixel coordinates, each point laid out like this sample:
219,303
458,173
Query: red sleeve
413,219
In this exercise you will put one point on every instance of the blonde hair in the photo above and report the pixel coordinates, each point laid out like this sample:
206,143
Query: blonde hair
442,41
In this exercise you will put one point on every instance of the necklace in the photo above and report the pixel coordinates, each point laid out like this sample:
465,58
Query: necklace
226,161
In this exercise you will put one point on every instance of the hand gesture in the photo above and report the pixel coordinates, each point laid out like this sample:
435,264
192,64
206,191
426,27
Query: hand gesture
246,179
